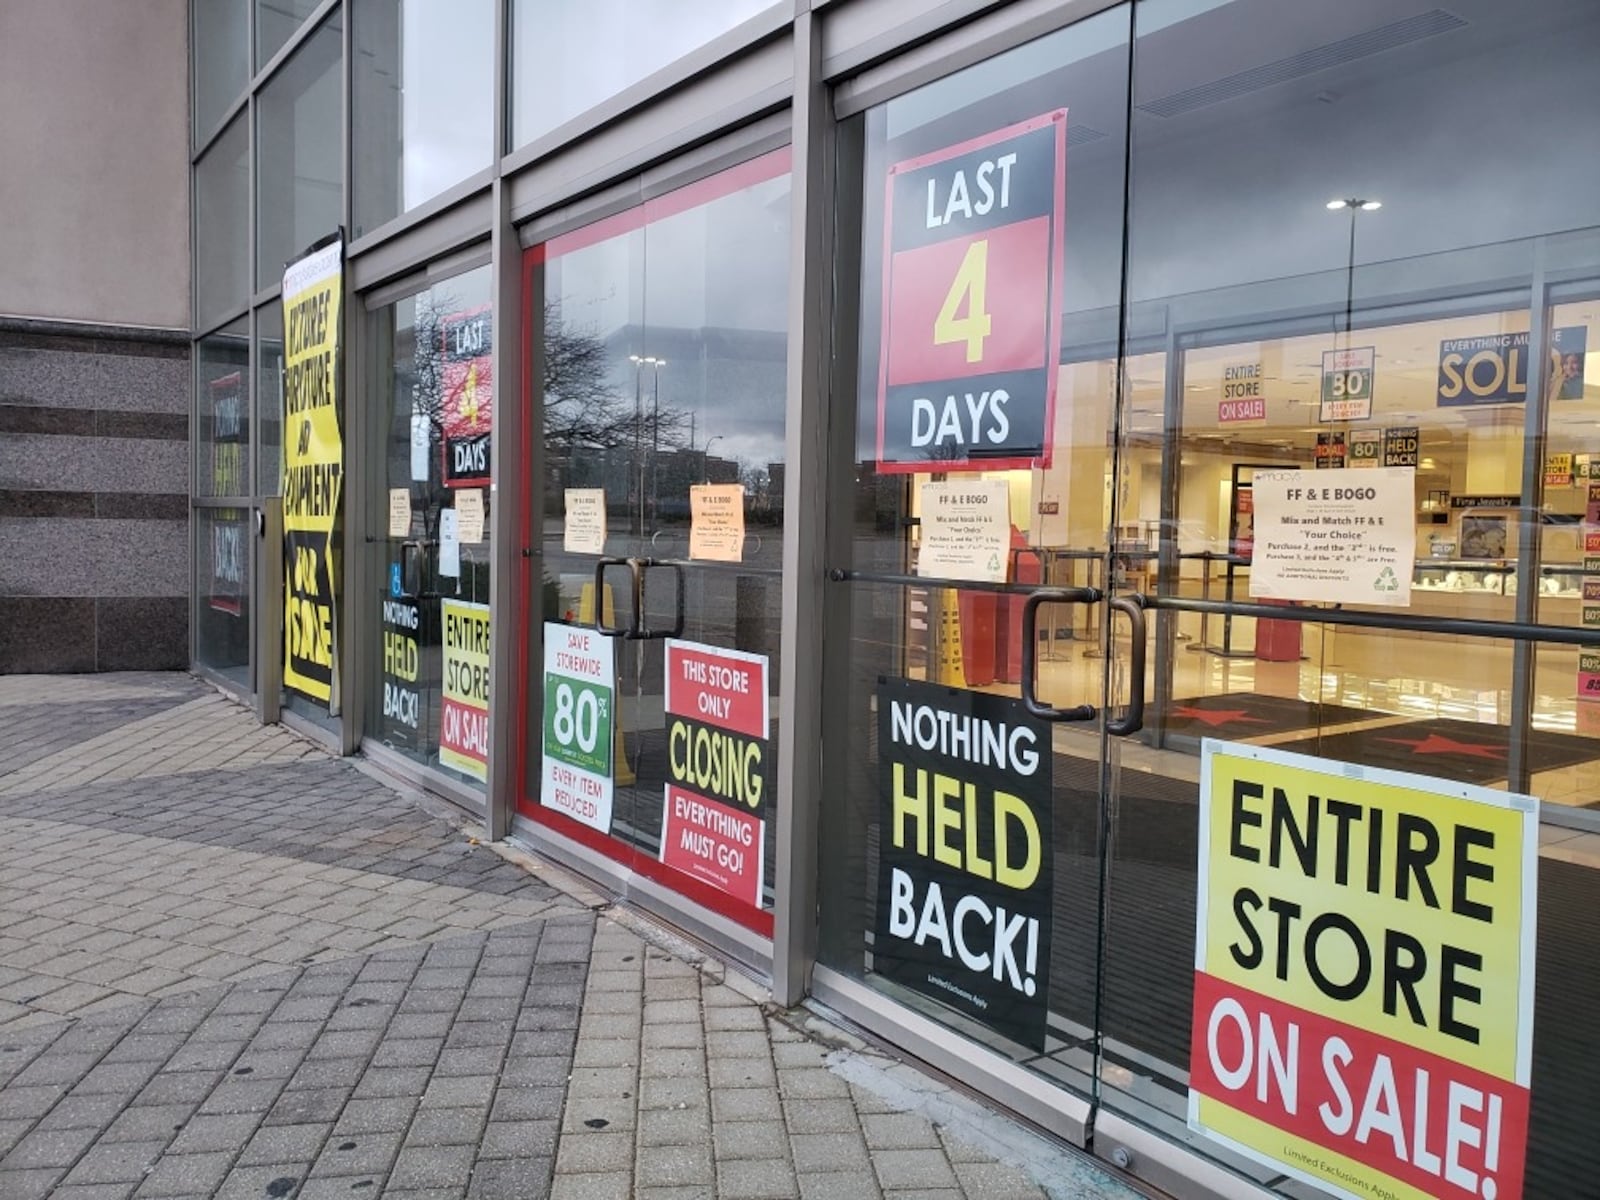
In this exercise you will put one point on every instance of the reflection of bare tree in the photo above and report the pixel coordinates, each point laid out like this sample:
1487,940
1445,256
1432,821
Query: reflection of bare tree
583,408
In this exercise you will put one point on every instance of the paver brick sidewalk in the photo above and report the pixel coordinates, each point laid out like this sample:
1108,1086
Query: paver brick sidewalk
231,966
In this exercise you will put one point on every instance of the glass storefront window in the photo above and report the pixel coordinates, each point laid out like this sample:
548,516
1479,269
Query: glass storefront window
299,197
663,338
221,58
435,408
221,224
222,592
222,469
222,413
269,397
567,57
979,352
423,101
276,22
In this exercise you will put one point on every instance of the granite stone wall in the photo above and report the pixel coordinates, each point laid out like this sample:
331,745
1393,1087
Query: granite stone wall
94,511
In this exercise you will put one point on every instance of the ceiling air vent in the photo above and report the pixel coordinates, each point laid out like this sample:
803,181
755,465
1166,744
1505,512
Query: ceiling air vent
1318,58
1082,135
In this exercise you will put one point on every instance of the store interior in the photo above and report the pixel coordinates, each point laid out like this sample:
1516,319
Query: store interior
1331,681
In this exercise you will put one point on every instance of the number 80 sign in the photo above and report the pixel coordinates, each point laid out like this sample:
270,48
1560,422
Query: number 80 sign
972,302
579,698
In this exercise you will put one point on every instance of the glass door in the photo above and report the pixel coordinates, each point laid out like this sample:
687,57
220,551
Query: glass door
986,663
662,344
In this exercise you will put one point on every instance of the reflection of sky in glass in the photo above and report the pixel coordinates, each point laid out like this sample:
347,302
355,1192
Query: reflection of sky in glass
568,56
706,290
447,94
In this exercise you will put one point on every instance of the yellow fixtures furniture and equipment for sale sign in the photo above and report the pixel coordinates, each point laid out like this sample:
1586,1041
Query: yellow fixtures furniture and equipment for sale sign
313,470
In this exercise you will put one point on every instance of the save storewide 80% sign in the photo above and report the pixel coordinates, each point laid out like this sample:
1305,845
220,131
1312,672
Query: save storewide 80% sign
1364,952
972,300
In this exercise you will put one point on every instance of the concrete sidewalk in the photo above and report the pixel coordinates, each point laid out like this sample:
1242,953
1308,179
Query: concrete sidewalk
232,966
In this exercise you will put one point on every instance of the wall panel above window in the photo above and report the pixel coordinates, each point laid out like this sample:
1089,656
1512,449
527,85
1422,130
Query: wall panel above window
221,59
299,197
423,99
276,22
568,56
222,225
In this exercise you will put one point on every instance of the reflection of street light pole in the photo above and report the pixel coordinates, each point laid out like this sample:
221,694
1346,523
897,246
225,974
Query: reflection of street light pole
655,430
1355,205
705,459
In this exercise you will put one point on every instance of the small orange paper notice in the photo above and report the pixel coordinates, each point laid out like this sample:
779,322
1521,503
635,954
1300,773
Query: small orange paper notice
716,516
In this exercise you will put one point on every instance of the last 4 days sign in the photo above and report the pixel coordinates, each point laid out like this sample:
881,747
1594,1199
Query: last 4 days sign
964,854
714,815
1363,989
467,385
972,301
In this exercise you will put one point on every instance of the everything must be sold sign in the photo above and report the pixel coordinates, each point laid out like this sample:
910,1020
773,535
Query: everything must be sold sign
313,469
714,813
964,854
972,300
1364,952
464,713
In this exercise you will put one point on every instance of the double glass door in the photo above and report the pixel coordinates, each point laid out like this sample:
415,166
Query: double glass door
1108,359
660,344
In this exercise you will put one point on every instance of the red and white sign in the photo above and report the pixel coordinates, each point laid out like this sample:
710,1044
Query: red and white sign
1231,411
713,824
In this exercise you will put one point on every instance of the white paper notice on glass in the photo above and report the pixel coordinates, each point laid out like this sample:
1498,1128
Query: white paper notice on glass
966,530
469,509
584,529
1341,536
419,447
450,543
716,522
399,512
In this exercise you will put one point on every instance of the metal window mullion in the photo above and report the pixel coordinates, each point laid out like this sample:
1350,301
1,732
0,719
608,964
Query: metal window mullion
510,449
308,29
806,427
1524,655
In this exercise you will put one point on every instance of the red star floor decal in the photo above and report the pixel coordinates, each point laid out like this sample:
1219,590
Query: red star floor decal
1436,743
1217,716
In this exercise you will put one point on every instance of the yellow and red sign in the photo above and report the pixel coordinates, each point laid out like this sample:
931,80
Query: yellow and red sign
1364,955
971,330
467,384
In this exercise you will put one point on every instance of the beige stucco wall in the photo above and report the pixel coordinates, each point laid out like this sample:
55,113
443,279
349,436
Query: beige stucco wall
94,198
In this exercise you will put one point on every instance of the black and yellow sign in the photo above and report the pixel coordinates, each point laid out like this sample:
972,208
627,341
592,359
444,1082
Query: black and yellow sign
964,854
402,696
313,470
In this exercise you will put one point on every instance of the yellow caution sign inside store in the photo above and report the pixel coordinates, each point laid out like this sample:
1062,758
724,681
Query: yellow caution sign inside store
622,771
952,672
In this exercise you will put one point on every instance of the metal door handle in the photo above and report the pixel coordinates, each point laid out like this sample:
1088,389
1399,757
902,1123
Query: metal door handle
599,621
641,631
1030,654
1132,718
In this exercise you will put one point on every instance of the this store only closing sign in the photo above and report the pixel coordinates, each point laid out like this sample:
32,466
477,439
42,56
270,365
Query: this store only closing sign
714,815
971,302
1364,954
964,858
